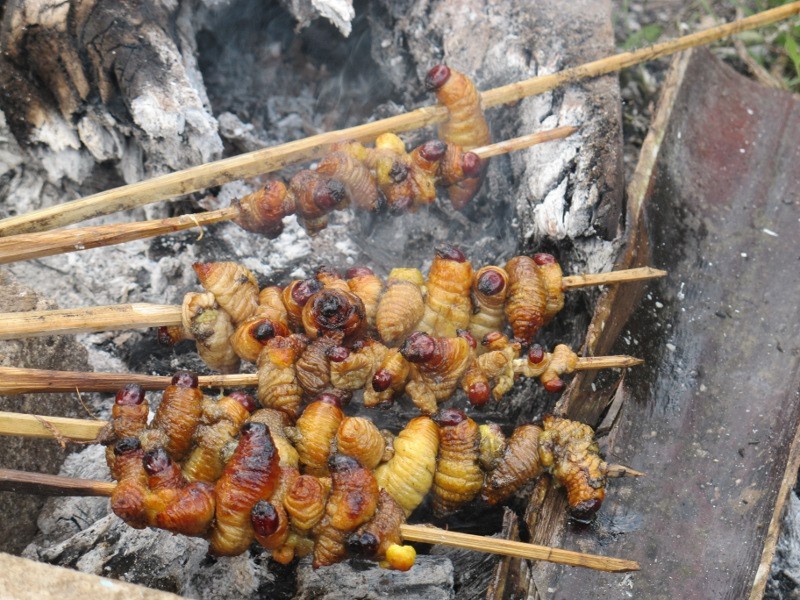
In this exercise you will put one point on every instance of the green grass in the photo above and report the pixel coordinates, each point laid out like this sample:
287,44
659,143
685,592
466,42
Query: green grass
775,49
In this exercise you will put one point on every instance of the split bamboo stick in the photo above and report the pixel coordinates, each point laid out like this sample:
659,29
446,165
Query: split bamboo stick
141,315
55,485
26,246
277,157
14,380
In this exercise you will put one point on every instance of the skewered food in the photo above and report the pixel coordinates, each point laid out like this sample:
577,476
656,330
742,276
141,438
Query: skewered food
437,367
278,386
251,475
363,282
234,287
315,430
535,294
447,303
353,500
176,418
408,476
319,496
401,306
458,476
489,290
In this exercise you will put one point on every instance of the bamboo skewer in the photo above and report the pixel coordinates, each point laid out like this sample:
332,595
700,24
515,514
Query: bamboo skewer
54,485
277,157
141,315
26,246
14,380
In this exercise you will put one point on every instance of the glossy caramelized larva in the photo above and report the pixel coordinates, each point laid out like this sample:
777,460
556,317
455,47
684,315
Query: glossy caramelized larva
331,311
448,306
278,386
270,524
352,370
519,465
548,367
271,306
352,502
222,419
462,175
358,437
128,498
401,306
553,281
128,419
408,475
492,373
388,380
212,330
172,503
234,287
253,334
251,475
363,282
314,197
312,367
263,211
305,503
569,451
179,414
315,430
437,366
359,183
278,422
489,290
466,125
527,299
374,538
458,477
295,295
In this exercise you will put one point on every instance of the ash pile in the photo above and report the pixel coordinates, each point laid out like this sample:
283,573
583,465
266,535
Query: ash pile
142,90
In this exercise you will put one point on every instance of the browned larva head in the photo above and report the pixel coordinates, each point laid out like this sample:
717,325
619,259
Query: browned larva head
338,354
535,354
554,385
244,399
353,272
437,77
544,259
185,379
169,335
330,194
478,393
449,252
155,461
449,417
329,398
491,282
364,545
264,518
419,347
491,337
339,463
331,310
130,395
433,150
381,380
471,164
302,291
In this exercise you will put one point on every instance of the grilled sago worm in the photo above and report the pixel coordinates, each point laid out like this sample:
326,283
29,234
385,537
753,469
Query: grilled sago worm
448,306
234,287
458,477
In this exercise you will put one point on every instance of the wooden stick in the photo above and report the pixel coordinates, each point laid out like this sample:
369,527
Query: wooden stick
55,485
623,276
40,323
14,380
38,426
619,361
619,471
277,157
26,246
133,316
433,535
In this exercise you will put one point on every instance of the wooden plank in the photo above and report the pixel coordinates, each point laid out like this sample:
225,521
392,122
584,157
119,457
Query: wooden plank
714,420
